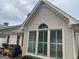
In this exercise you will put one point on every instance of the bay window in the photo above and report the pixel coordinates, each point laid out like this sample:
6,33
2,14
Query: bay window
42,44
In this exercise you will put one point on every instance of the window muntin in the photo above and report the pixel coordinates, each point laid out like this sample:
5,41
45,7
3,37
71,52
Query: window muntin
32,42
42,42
56,44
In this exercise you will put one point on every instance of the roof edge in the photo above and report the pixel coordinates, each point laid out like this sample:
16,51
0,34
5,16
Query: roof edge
72,20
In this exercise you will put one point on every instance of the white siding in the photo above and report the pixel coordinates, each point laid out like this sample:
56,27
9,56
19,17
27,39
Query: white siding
13,39
3,40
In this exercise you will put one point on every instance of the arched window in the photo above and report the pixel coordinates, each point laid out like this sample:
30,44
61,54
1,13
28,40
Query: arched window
42,40
42,26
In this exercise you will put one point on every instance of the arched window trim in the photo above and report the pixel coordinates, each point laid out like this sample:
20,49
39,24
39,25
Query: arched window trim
43,26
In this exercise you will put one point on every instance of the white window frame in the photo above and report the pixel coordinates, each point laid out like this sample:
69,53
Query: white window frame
48,43
43,42
55,43
32,42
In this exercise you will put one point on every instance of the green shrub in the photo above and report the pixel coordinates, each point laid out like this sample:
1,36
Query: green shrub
30,57
78,56
16,49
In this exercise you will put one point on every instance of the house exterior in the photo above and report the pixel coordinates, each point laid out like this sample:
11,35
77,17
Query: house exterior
3,38
13,35
50,33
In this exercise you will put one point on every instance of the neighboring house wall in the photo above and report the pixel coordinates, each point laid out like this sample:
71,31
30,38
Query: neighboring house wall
14,38
13,35
54,22
3,39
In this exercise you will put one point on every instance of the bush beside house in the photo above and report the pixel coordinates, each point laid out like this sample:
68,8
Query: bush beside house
30,57
78,56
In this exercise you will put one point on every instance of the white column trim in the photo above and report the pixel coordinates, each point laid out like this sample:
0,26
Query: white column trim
27,41
74,44
63,42
48,44
36,49
25,44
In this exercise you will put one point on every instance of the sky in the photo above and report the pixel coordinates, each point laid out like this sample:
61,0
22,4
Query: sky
15,11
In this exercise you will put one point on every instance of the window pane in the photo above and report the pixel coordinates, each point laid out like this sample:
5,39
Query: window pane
59,36
40,48
41,36
45,36
32,36
53,36
32,41
45,49
59,51
31,47
55,47
53,50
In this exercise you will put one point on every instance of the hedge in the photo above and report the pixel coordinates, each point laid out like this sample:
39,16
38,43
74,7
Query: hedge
30,57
